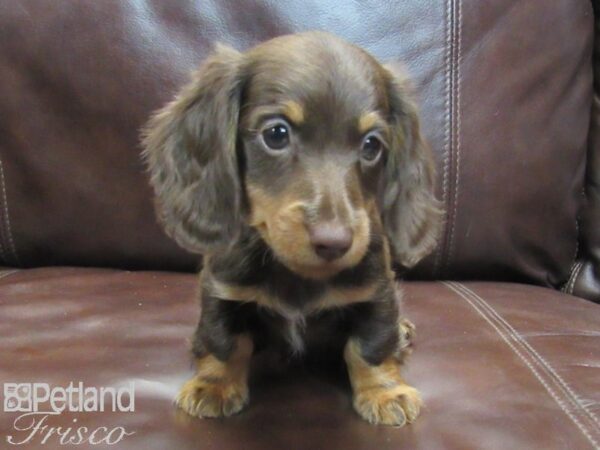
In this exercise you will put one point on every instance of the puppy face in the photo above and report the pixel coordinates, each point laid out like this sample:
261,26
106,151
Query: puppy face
314,144
305,138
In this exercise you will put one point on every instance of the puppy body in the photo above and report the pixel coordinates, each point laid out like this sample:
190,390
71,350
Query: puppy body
247,291
298,170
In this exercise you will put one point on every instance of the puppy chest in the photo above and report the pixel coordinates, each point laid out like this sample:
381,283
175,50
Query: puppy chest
297,334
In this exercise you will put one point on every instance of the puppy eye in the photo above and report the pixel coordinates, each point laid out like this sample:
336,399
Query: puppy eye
276,136
371,149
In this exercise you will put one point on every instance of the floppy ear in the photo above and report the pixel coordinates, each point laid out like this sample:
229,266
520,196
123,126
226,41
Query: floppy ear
411,213
190,150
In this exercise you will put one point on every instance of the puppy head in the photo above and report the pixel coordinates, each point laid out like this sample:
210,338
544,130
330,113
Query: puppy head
305,138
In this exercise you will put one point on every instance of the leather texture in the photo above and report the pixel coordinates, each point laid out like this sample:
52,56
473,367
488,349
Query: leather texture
500,366
506,111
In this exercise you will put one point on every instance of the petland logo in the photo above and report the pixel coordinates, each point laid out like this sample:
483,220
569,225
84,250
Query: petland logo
36,403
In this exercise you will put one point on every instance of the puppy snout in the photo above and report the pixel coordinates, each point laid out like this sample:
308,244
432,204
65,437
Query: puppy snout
330,240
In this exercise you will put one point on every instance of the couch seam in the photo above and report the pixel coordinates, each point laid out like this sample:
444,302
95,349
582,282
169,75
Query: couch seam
457,135
577,225
5,273
567,286
575,276
479,305
576,264
6,221
447,105
2,252
3,239
565,386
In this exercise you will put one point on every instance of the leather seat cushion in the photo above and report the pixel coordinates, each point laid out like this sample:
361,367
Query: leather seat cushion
499,365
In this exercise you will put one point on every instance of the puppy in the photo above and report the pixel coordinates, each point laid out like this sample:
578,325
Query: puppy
298,171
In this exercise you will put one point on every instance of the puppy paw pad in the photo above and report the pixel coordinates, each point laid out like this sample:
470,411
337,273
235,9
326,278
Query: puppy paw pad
395,406
200,398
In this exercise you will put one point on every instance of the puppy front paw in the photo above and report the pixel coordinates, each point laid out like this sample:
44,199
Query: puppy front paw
396,405
407,332
205,398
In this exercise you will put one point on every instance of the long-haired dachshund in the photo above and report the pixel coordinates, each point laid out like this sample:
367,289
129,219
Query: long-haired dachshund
298,171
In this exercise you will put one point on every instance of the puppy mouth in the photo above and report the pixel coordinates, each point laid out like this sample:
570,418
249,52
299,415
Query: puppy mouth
313,251
321,270
302,260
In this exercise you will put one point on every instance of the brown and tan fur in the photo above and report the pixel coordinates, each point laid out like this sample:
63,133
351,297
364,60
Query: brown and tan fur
222,386
251,209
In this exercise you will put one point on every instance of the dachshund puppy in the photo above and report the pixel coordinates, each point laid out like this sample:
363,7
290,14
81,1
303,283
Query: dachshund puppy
298,171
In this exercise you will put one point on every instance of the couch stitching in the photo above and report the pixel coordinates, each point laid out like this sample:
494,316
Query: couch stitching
11,241
567,286
2,253
577,243
465,293
554,395
447,104
574,398
457,134
3,239
576,265
577,232
581,266
5,273
575,276
570,285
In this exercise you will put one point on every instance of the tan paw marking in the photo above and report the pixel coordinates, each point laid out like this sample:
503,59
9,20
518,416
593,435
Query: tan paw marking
202,398
381,396
407,331
395,406
219,388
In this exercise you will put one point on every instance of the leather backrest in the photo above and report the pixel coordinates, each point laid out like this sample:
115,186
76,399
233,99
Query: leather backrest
505,89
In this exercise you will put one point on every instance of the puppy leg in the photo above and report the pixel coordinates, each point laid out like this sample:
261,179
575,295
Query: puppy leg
223,353
219,388
374,357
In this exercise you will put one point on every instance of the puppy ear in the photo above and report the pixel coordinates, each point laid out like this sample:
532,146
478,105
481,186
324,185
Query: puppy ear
190,151
411,213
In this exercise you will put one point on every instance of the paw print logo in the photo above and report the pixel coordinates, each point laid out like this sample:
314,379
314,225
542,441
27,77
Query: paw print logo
17,397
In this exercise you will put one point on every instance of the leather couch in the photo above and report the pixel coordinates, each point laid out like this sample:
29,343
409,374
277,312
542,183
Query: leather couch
507,353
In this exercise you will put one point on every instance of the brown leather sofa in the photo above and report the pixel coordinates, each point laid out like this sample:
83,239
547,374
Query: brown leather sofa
507,355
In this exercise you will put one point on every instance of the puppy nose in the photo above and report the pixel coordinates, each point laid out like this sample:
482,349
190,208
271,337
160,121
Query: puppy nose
330,241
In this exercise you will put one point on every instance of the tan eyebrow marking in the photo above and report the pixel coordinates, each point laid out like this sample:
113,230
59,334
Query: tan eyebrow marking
294,111
370,120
